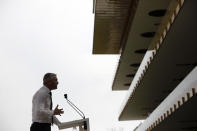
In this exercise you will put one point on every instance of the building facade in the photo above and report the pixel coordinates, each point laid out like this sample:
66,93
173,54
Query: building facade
156,40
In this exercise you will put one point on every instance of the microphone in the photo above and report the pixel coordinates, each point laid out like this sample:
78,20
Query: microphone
76,109
65,96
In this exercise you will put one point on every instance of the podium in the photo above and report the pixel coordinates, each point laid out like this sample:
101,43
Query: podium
83,124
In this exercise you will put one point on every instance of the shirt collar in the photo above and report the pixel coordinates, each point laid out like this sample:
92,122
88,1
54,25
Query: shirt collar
46,89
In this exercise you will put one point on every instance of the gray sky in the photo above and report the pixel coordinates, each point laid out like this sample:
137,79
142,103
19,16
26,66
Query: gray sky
39,36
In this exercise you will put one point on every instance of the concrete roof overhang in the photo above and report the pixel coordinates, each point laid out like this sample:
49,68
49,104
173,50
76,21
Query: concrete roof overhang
178,110
183,119
141,33
173,61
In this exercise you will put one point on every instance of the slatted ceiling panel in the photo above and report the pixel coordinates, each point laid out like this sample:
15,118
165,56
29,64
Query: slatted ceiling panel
111,19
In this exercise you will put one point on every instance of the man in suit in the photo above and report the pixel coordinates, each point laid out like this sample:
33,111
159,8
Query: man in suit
42,114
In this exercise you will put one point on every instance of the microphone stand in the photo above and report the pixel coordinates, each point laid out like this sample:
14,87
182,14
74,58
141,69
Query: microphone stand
77,110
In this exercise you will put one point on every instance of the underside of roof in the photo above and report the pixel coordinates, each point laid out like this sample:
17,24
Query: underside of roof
112,19
178,111
174,59
147,19
183,119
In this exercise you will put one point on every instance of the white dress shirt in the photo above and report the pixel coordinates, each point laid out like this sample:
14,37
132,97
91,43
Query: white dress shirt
41,112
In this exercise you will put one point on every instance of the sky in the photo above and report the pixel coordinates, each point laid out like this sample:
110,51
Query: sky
40,36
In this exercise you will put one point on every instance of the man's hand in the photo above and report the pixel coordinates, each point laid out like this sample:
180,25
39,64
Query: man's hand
58,111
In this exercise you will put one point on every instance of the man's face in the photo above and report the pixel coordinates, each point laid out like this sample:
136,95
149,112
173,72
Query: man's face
53,83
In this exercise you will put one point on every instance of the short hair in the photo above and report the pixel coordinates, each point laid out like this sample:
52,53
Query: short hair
47,77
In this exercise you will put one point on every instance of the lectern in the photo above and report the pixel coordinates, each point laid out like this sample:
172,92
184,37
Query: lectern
83,124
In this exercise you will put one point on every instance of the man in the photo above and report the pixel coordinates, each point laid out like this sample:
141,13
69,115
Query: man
42,114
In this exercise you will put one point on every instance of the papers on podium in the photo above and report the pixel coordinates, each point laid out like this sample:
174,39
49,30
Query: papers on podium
82,123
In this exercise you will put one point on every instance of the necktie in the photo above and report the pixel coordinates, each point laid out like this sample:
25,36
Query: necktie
51,106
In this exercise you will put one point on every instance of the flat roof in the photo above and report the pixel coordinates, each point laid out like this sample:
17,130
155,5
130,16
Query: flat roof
171,62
